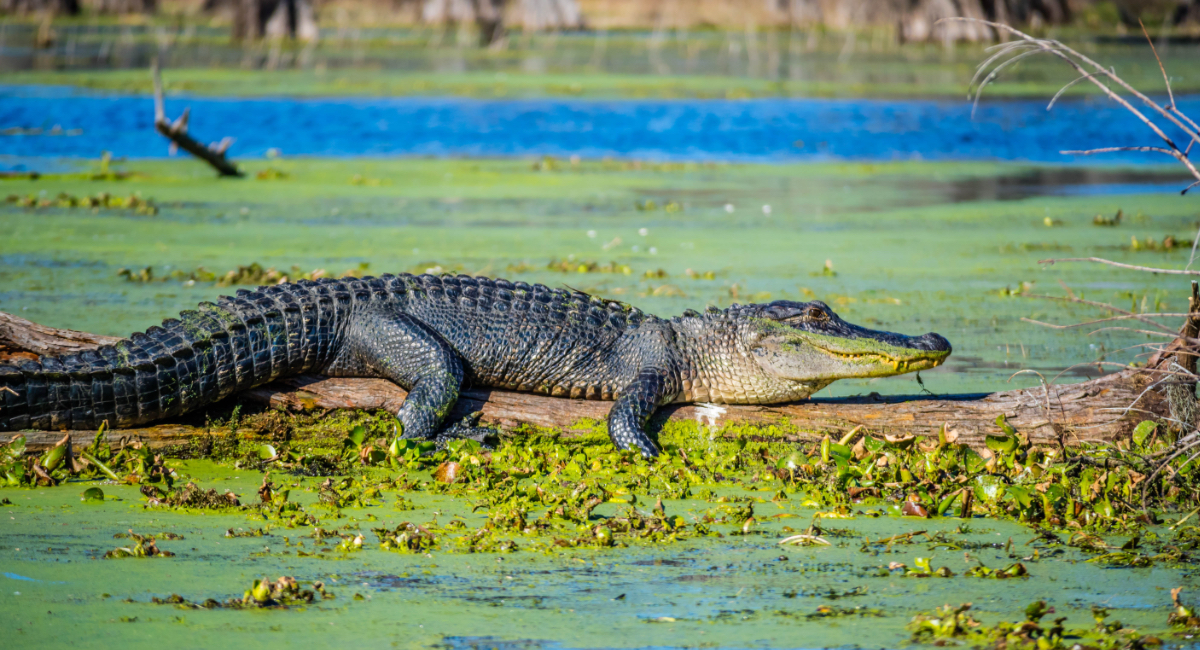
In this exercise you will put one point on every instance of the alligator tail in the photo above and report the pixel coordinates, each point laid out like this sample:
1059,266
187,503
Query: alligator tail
203,356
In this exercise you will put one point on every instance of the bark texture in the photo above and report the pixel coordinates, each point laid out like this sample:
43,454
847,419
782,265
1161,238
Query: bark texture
1102,409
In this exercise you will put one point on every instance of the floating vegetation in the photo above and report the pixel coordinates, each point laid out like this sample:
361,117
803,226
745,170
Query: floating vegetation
133,202
571,265
1115,220
955,625
1022,289
650,205
145,547
253,274
826,271
366,181
272,174
1166,245
1035,247
281,594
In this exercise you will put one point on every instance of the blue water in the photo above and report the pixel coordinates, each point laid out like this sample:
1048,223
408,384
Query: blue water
760,130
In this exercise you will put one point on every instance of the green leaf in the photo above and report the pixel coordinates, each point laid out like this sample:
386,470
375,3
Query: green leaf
872,444
1022,495
1104,508
93,495
989,488
1002,422
1003,445
841,451
1142,432
266,452
922,563
947,502
54,457
357,435
16,447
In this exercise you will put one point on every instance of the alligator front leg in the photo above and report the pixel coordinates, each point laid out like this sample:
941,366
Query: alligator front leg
634,406
411,354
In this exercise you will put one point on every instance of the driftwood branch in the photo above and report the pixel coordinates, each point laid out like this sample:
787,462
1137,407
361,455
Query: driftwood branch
1102,409
176,132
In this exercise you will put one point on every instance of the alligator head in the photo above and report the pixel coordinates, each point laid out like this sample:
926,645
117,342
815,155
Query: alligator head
808,342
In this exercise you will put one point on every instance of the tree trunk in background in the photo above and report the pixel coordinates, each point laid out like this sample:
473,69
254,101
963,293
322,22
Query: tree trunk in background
52,7
917,20
124,6
551,14
291,18
254,19
1186,12
490,15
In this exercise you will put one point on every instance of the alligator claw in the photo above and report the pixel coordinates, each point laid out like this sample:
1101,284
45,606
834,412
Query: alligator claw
468,429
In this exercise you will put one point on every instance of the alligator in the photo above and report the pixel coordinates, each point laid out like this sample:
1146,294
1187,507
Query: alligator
434,336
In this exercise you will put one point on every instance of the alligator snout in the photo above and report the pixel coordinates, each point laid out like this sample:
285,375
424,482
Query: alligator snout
930,342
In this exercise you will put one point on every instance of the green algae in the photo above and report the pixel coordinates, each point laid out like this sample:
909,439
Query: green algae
908,247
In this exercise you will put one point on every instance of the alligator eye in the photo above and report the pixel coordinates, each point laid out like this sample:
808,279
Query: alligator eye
816,313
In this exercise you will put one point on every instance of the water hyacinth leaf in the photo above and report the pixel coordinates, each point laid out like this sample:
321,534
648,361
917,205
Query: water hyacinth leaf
1143,432
1002,422
16,447
872,444
54,457
1004,445
357,435
989,489
261,591
1104,508
1021,495
93,495
267,452
840,451
975,462
945,503
793,461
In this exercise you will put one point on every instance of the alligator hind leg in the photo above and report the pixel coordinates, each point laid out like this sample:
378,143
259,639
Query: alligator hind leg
411,354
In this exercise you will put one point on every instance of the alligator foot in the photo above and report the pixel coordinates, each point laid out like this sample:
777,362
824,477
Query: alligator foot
468,429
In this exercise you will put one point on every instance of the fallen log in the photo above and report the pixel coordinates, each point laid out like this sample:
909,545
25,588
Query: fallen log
1102,409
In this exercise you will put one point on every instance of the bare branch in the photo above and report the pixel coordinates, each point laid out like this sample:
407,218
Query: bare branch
1166,80
1132,267
1090,152
1077,61
1068,87
1104,305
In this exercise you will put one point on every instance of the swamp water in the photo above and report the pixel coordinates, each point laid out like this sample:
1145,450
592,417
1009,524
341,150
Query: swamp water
950,247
